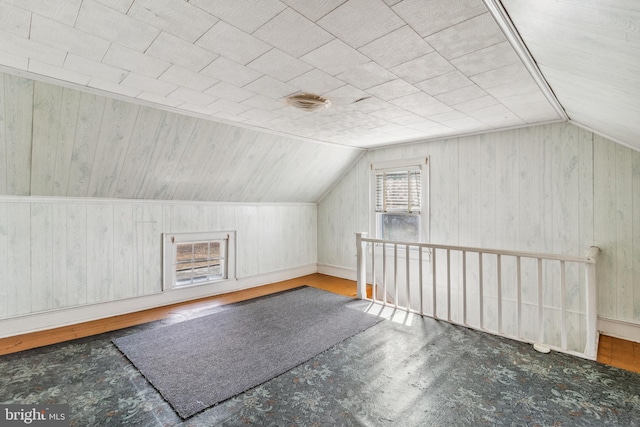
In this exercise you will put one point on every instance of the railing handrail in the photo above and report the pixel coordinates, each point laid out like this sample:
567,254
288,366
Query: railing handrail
589,261
590,258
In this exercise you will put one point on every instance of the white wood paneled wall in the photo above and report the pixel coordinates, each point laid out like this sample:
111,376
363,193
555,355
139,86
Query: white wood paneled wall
57,141
58,253
555,188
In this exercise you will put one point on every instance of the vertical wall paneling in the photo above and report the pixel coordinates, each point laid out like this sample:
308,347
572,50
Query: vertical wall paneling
124,254
18,280
90,114
139,152
47,101
100,260
77,254
18,119
118,121
553,188
624,231
635,191
67,131
4,259
59,255
41,257
605,233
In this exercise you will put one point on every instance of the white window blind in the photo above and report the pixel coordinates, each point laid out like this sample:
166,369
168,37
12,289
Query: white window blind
398,190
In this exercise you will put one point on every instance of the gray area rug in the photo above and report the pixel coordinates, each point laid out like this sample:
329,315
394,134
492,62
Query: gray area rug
200,362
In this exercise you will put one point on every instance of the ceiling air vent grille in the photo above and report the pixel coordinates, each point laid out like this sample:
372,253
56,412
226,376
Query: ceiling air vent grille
308,102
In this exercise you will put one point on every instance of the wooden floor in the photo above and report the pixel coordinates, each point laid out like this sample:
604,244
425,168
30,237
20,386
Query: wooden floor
611,351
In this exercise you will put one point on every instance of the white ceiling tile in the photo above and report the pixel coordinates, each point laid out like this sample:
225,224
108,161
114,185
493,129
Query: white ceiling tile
13,61
119,5
370,105
421,103
183,77
63,37
392,2
407,119
486,59
262,102
466,124
191,96
393,89
111,25
535,112
444,83
18,46
475,104
513,73
232,43
61,11
177,51
157,99
490,111
268,86
229,107
313,10
447,116
230,72
466,37
457,96
259,116
423,68
108,86
397,47
15,20
147,84
132,60
316,81
335,57
346,95
430,126
102,71
512,89
179,18
248,15
199,109
430,16
58,73
389,113
229,92
366,75
279,65
503,120
523,98
358,22
293,33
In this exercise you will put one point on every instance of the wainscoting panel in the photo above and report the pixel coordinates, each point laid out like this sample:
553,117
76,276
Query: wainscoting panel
554,188
59,253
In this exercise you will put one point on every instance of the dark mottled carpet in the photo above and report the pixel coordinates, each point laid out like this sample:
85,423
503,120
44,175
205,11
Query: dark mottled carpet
418,373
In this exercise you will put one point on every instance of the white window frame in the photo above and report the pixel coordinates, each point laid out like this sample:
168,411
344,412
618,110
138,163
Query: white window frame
396,165
170,243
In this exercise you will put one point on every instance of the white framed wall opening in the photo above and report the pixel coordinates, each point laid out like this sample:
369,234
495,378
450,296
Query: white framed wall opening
192,259
399,200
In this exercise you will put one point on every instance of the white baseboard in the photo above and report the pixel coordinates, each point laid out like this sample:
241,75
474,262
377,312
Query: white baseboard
619,329
335,271
86,313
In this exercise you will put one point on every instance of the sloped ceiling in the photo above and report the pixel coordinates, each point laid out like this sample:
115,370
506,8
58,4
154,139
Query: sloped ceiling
189,94
394,70
589,53
62,142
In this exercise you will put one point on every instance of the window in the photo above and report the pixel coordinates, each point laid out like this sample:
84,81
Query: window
198,258
399,208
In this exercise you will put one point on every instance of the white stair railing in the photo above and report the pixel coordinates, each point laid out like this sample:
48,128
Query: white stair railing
546,299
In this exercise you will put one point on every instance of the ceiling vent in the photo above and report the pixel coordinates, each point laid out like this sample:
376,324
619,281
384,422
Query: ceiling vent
308,102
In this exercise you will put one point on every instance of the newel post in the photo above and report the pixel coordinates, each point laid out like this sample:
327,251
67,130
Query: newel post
361,267
591,347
